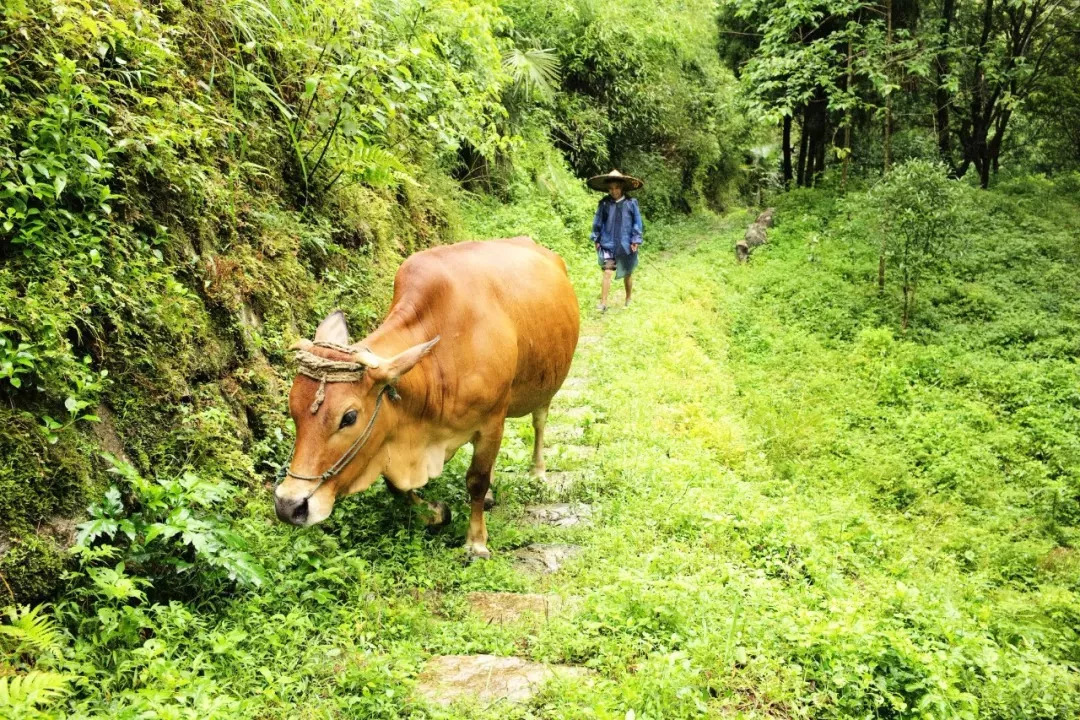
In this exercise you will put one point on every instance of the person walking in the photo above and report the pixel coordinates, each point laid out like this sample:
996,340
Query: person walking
616,231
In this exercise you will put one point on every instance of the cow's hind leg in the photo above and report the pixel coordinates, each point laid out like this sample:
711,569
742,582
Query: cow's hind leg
539,418
437,514
478,481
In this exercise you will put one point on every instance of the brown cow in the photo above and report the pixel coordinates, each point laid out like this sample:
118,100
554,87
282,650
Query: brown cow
477,332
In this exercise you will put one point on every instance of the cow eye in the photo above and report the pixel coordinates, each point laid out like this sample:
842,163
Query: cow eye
347,419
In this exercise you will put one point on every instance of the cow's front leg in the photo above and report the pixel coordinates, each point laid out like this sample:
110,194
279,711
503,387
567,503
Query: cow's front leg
478,481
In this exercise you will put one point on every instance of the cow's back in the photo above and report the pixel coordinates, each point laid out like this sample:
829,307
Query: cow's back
507,314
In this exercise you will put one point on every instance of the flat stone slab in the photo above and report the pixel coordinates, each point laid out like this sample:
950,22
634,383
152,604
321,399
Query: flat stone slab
579,412
565,433
500,608
559,514
561,481
545,558
486,679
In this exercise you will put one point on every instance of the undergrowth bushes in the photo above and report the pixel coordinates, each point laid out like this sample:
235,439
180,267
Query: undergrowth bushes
961,429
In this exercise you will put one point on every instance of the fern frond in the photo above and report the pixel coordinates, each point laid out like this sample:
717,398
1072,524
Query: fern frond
31,690
33,631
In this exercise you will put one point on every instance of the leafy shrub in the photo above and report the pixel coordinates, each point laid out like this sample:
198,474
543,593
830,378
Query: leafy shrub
166,529
921,214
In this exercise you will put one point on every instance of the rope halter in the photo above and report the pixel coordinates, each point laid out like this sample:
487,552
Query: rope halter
325,371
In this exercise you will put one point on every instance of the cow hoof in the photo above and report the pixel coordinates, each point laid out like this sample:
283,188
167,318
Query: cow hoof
477,551
439,516
489,500
539,473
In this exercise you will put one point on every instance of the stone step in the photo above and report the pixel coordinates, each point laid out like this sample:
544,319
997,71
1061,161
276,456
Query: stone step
561,481
545,558
571,454
501,608
576,413
564,433
559,514
487,679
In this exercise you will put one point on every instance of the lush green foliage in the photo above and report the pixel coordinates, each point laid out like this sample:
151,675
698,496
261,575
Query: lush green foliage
182,188
642,90
967,82
166,530
804,511
921,217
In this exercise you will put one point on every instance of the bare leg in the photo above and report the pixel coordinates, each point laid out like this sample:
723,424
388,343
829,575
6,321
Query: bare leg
628,283
438,515
539,421
605,286
478,479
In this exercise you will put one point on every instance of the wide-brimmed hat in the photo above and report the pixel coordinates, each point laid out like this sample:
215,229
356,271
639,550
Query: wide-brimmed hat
601,182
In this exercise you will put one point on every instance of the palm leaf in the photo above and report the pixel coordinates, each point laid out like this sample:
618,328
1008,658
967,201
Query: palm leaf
533,72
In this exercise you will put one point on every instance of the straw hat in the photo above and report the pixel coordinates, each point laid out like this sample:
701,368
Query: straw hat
600,182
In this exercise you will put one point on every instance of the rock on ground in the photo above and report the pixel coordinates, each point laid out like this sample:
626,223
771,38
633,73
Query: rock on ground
501,608
559,514
488,678
545,557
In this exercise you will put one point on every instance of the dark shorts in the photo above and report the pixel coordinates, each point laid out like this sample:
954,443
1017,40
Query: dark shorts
607,260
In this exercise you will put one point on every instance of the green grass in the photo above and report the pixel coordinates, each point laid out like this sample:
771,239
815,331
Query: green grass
801,512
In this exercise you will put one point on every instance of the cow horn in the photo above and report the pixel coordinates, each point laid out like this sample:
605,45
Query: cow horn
367,358
301,345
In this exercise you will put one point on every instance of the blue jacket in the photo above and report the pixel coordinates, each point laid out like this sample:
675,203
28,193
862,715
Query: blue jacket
617,225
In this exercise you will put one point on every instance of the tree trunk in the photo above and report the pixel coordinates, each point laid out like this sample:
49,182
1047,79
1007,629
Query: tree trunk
787,151
907,309
819,166
941,96
888,98
847,123
804,139
881,263
816,129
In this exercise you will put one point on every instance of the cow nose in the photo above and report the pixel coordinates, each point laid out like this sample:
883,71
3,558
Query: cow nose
292,511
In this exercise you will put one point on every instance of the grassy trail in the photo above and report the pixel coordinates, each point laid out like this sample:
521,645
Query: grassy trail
736,568
756,547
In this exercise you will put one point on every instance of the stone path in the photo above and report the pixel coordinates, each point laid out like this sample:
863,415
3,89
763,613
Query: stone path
559,514
501,608
545,558
488,679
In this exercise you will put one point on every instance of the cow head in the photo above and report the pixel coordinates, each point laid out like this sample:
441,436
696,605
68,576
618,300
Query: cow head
332,418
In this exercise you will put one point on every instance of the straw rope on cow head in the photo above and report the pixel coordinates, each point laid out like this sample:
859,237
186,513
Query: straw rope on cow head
329,370
362,363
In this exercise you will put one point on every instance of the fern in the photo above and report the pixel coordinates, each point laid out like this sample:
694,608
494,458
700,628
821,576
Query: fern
22,692
34,632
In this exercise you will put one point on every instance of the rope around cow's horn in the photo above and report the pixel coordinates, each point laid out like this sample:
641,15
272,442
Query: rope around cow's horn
326,370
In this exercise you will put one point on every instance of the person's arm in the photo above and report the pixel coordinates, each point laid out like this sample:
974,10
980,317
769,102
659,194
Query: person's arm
598,224
638,228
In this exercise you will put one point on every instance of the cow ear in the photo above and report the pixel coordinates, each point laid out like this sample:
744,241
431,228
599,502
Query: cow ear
390,370
333,329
